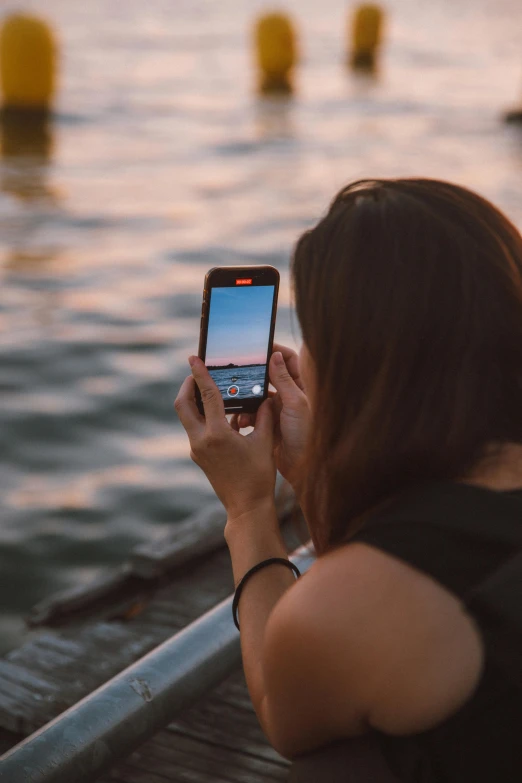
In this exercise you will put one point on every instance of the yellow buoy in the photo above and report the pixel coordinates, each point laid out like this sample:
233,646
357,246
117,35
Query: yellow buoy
366,34
20,138
276,50
27,63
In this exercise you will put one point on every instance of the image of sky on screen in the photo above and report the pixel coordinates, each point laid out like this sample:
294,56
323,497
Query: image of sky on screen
239,325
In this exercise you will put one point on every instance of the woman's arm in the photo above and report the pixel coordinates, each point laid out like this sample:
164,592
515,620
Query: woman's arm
242,471
252,538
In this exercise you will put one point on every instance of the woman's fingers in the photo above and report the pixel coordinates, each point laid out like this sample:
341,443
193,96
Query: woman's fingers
292,362
285,350
187,410
211,398
247,420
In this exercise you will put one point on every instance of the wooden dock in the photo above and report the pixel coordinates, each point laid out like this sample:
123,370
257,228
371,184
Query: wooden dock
218,739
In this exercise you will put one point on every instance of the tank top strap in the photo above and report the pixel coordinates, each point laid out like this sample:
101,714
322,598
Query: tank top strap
457,533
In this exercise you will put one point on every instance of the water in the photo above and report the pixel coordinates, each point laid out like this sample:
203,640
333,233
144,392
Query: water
162,163
242,379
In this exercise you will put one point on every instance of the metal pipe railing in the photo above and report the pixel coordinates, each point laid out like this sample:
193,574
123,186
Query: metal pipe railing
109,723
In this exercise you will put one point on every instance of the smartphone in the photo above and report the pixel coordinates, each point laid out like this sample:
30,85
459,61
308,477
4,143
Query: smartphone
237,332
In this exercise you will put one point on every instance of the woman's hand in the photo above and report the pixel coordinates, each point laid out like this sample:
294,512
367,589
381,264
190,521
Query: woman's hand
291,412
240,468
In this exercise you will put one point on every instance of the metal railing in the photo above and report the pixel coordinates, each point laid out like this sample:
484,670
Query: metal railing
109,723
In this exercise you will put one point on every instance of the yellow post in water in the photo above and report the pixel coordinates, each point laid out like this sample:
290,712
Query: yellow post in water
27,63
276,50
366,35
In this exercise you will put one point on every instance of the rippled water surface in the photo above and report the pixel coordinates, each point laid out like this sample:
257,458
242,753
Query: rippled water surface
160,164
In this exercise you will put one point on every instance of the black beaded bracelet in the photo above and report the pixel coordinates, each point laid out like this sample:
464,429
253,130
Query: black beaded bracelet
253,570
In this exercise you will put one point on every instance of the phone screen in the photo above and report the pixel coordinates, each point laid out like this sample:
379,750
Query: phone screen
238,335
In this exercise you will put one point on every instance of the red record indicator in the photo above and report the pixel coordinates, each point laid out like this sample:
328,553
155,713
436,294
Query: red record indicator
233,391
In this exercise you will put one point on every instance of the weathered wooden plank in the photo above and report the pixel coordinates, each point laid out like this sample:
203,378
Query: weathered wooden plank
200,534
22,710
125,773
51,658
233,701
195,605
228,721
115,642
78,661
75,598
75,667
193,587
176,615
11,672
99,655
167,602
11,713
182,767
233,687
232,690
200,752
223,732
66,646
174,619
72,682
136,773
21,715
8,740
226,741
23,697
236,682
105,632
45,663
41,661
161,632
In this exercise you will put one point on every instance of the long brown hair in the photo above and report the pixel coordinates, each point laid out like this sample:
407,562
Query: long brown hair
409,296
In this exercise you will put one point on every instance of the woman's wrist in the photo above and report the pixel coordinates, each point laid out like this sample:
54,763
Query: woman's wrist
254,536
260,516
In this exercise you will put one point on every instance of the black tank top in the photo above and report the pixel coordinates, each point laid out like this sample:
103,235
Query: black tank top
482,741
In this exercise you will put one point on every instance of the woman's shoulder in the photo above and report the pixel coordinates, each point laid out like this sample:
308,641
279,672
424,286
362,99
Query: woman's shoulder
393,632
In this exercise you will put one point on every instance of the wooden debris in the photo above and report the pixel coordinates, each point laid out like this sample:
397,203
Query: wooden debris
67,602
199,535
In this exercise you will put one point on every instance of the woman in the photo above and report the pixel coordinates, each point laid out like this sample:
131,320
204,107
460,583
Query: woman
401,416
